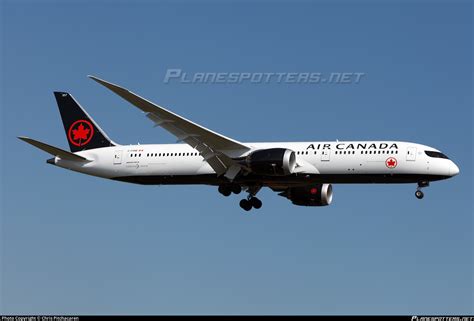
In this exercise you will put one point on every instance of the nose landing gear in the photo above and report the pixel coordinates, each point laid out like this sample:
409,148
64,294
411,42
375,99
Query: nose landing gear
419,194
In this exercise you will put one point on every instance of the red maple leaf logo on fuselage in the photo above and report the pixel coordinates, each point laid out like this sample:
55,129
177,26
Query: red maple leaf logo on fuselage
391,162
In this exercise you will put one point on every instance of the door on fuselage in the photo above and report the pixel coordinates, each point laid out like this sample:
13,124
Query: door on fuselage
411,153
118,157
325,155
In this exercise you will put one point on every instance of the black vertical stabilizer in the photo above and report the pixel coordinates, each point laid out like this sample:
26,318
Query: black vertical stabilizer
82,132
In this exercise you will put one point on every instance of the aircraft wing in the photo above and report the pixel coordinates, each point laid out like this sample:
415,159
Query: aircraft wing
216,149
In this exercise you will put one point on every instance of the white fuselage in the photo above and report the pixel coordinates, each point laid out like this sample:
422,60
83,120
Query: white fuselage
328,162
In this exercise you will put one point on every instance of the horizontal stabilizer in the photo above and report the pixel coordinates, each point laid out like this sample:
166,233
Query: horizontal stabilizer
54,150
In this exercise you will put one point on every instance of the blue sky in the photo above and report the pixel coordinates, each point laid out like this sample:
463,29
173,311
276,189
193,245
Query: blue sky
75,244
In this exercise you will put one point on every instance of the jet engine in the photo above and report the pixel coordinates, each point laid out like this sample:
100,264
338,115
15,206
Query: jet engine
271,162
311,195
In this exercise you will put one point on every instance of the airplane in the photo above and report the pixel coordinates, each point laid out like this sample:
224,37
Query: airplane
302,172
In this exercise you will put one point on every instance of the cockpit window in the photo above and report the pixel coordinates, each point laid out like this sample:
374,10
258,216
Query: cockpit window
435,154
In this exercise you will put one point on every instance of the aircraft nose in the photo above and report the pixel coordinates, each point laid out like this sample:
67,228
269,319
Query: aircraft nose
453,170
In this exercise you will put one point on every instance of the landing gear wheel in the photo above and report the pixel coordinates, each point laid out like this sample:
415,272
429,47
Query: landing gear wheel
236,189
245,204
419,194
256,203
224,190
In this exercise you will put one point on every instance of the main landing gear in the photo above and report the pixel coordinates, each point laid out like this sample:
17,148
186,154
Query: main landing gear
247,203
251,200
228,189
419,194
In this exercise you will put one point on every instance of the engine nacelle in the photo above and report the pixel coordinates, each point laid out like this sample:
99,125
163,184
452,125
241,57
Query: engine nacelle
311,195
272,162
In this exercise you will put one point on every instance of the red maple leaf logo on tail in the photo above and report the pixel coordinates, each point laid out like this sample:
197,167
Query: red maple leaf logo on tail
80,132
